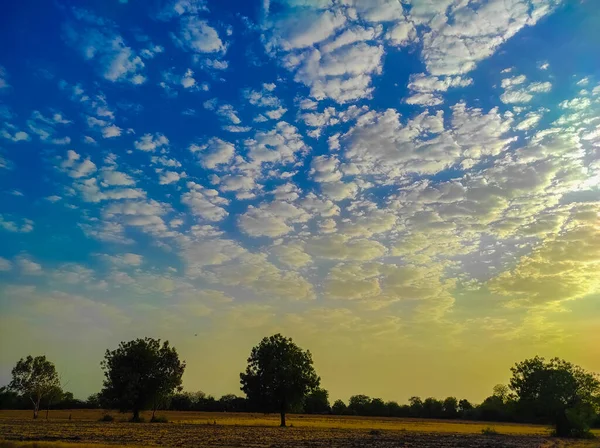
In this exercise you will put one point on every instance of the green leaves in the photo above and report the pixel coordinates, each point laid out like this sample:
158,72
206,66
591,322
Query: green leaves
279,374
141,374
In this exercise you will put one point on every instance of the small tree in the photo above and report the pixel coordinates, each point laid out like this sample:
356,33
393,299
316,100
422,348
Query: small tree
450,407
317,402
557,391
339,407
34,378
140,374
54,395
279,375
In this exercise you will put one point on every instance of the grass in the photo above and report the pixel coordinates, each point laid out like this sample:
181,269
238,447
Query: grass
489,431
197,429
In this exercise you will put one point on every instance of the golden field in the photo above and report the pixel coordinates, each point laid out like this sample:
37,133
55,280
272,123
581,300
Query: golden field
227,430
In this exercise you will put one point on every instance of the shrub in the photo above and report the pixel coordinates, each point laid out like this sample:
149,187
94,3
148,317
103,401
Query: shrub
489,431
159,419
107,418
137,420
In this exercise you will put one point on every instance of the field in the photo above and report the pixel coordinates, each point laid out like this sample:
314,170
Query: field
228,430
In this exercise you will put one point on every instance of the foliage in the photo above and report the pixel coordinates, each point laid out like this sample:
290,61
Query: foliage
489,431
279,375
35,378
317,402
557,392
339,407
140,374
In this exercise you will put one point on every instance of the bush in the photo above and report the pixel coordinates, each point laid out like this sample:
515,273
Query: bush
137,420
489,431
107,418
159,419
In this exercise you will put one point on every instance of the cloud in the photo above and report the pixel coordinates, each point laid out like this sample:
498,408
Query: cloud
28,266
111,131
10,132
205,202
76,167
5,265
198,36
7,224
454,44
150,142
425,90
170,177
99,41
123,260
214,153
272,219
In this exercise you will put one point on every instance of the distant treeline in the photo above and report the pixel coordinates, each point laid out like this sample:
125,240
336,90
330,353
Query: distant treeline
280,377
498,407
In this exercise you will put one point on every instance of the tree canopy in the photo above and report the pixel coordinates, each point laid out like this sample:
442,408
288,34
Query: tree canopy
557,391
35,378
141,374
279,375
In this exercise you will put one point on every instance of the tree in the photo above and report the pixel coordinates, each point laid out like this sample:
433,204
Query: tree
464,406
557,391
279,375
450,406
433,408
359,404
54,395
34,378
416,406
140,374
317,402
338,408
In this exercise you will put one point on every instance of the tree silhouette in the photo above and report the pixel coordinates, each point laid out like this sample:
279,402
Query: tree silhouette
34,378
141,374
556,390
279,375
339,407
317,402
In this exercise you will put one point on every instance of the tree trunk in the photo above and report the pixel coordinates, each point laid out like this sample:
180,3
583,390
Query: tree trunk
282,413
136,415
153,411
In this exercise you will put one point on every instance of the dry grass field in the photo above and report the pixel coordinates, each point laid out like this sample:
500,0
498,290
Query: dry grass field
228,430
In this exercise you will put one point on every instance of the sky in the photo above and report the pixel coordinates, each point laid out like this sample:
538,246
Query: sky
410,189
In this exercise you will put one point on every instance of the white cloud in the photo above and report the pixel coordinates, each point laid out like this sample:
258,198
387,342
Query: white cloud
76,167
150,143
198,36
98,40
214,153
454,44
10,132
111,177
170,177
272,219
28,266
204,202
25,226
5,265
111,131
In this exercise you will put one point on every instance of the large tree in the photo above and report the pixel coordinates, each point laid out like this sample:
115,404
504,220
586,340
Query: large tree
557,391
279,375
34,378
141,374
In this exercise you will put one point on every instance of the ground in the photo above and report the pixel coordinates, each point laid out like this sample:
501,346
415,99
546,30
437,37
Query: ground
228,430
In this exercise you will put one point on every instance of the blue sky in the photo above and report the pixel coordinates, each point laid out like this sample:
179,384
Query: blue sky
385,181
